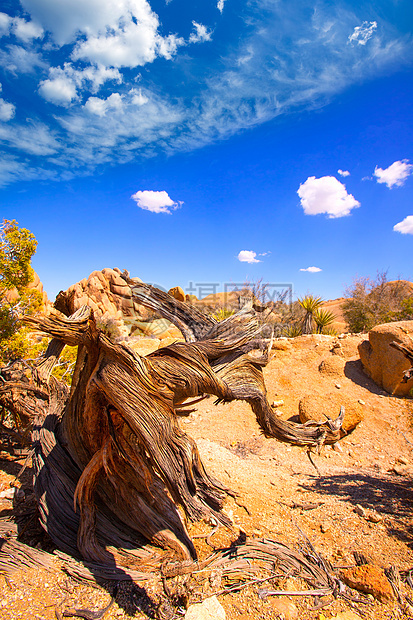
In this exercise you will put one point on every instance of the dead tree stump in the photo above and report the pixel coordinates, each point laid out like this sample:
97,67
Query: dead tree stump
112,467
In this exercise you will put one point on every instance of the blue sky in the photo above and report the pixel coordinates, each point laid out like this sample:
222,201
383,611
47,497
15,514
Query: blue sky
211,142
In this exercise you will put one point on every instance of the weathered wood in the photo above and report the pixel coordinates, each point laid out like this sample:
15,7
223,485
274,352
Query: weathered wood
112,466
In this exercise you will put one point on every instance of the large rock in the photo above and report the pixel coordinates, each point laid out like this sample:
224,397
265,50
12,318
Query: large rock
317,407
332,366
384,364
370,579
109,295
178,293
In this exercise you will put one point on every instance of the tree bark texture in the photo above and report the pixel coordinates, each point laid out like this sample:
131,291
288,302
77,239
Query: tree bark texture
112,467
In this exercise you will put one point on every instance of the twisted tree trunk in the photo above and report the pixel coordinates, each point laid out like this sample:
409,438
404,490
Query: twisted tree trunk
112,466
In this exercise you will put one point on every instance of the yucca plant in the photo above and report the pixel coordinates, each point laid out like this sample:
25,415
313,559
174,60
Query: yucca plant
323,318
222,313
292,331
310,304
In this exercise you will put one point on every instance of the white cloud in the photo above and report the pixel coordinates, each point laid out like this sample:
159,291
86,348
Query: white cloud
5,24
405,226
137,97
61,87
17,59
220,5
396,174
59,90
115,33
326,195
201,33
95,76
33,138
361,34
101,106
248,256
26,31
65,19
312,269
343,173
7,110
261,70
157,202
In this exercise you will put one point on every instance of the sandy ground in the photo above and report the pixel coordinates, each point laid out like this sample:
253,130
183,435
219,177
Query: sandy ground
280,495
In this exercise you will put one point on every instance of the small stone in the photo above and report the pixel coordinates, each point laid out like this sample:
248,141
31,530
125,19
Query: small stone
370,579
338,386
403,460
277,403
210,609
400,471
361,401
8,493
359,510
324,527
374,517
284,607
337,447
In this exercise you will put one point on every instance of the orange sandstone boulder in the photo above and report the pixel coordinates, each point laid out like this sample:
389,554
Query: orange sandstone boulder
177,292
370,579
317,407
384,364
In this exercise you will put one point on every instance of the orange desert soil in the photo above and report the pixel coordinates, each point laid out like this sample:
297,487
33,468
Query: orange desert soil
360,500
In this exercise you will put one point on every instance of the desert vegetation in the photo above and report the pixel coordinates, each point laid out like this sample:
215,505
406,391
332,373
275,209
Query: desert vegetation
370,302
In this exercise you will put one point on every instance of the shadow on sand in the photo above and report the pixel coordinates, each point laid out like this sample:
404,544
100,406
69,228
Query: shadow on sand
390,496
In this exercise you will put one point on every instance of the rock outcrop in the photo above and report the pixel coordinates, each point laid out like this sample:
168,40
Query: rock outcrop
109,295
319,406
384,364
178,293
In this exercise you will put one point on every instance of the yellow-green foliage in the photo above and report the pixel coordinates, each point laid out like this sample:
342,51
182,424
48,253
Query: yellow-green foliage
222,313
323,318
17,246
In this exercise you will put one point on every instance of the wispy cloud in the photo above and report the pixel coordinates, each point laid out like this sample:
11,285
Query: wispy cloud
394,175
201,33
92,50
312,269
326,195
405,226
156,202
7,110
361,34
18,60
101,106
220,5
248,256
22,29
343,173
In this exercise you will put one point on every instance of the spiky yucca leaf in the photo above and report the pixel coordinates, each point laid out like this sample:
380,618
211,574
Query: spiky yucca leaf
310,304
323,318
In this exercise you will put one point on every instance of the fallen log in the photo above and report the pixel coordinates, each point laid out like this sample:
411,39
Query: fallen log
112,467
